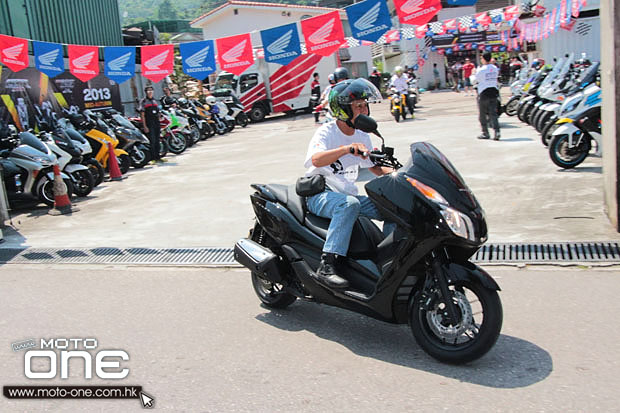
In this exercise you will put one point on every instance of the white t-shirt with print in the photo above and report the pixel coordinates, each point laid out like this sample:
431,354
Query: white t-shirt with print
341,175
486,76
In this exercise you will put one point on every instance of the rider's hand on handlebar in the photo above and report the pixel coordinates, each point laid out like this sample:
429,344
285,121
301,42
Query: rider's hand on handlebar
358,149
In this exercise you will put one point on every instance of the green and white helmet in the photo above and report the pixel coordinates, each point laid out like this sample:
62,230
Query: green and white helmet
345,92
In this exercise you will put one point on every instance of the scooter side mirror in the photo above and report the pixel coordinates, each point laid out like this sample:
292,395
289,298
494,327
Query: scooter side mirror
367,124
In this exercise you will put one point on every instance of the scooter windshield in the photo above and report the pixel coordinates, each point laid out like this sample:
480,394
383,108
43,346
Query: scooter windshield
431,167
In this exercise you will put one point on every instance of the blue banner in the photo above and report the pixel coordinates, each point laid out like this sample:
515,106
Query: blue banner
461,2
48,58
120,63
281,44
198,58
369,19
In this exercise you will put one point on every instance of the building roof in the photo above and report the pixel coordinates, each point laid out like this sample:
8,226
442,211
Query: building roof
250,4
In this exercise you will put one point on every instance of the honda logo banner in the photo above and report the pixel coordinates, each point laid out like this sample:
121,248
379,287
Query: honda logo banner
14,52
120,63
369,19
281,44
234,53
323,34
417,12
48,58
198,58
83,61
157,61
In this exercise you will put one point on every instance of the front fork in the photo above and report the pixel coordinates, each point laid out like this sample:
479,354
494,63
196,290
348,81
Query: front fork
440,279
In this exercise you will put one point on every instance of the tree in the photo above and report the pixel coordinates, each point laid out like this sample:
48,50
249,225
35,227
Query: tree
167,11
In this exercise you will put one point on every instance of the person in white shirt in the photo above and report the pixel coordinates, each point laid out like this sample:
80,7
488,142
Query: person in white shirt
400,81
337,151
488,93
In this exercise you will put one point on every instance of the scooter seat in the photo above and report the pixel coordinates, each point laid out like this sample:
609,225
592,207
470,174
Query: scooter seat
364,237
287,195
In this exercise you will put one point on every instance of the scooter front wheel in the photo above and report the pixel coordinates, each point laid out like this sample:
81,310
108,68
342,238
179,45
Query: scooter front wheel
84,182
473,335
124,162
46,191
96,170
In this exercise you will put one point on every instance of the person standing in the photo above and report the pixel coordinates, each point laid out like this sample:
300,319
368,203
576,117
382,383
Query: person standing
436,76
375,78
468,68
456,75
488,92
315,86
149,111
168,100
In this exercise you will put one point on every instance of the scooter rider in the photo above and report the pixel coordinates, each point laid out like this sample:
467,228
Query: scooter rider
340,74
336,151
399,81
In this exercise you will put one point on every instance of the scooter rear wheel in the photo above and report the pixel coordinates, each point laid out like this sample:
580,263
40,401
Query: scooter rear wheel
271,293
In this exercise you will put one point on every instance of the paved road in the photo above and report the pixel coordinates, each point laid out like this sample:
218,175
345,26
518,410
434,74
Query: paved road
198,340
201,198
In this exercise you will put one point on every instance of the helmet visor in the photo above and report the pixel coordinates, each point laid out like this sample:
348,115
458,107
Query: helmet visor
360,89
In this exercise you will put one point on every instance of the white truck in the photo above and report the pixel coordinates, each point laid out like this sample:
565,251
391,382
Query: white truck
266,88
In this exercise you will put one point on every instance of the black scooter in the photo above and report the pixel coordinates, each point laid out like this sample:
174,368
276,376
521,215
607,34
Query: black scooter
419,274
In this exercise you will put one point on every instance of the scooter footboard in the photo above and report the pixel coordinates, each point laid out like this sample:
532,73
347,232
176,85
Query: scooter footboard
258,259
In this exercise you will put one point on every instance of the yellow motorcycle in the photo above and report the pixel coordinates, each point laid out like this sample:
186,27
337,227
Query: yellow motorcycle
398,104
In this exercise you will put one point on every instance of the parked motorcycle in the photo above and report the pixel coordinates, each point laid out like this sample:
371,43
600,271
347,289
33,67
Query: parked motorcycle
69,159
235,110
572,141
419,274
95,168
27,166
174,139
131,139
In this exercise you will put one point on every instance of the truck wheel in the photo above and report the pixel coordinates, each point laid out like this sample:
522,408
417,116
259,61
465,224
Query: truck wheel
257,113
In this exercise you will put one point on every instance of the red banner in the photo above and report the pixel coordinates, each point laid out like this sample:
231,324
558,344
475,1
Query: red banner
83,61
14,52
441,51
563,12
552,21
420,31
323,34
576,8
511,12
450,24
157,61
569,25
416,12
234,53
392,36
483,19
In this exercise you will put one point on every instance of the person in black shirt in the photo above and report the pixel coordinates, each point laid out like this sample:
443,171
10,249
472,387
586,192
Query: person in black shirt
149,111
168,100
375,78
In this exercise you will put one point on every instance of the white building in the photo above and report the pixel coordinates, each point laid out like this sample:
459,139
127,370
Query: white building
238,17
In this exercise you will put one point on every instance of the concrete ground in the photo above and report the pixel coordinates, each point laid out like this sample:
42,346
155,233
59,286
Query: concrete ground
199,341
201,198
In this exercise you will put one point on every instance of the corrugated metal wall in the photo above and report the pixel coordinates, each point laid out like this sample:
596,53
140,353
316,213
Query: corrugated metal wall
92,22
584,38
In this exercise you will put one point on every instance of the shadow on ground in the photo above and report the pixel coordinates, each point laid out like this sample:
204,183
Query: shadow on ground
511,363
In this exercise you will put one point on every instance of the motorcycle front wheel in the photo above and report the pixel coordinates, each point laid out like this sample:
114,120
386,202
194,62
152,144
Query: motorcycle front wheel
396,114
566,157
84,182
479,322
139,156
96,170
242,119
176,142
512,106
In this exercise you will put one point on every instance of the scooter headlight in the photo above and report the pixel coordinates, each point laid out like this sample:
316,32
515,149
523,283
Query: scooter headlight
459,223
569,106
396,100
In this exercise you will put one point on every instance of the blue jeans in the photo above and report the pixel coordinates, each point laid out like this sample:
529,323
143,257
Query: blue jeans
343,211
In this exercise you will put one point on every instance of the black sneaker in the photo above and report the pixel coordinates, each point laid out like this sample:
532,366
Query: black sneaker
483,136
497,135
327,274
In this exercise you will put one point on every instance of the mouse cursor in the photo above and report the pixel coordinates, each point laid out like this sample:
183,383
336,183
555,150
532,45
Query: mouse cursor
147,401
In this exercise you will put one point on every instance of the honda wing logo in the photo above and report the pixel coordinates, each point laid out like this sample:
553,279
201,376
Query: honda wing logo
323,33
281,44
154,62
13,51
411,6
233,54
368,19
83,61
120,62
49,57
197,58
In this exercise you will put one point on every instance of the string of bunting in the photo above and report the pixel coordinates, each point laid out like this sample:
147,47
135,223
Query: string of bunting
323,35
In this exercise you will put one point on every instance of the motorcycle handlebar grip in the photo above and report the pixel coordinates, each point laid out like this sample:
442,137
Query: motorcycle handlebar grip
352,152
